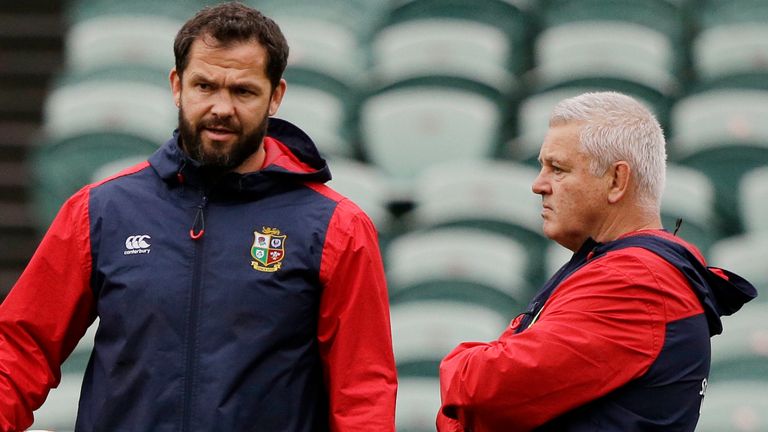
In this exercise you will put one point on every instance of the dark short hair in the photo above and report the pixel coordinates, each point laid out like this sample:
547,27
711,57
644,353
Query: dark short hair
230,23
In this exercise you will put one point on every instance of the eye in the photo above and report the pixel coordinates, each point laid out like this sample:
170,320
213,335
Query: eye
203,86
557,169
243,91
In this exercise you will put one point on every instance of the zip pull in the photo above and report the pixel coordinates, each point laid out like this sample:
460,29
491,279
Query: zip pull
194,232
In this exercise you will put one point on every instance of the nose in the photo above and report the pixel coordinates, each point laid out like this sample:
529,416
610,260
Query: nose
540,186
222,105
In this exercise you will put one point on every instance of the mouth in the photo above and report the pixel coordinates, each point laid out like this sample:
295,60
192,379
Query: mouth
218,133
546,209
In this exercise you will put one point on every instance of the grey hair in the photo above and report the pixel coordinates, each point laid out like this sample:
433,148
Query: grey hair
616,127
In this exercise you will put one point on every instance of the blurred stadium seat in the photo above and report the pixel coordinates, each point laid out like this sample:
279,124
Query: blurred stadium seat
61,167
419,122
460,264
753,199
366,186
133,100
423,332
485,41
736,406
418,400
490,195
60,408
742,254
690,196
327,36
723,134
535,109
323,106
741,352
606,49
414,101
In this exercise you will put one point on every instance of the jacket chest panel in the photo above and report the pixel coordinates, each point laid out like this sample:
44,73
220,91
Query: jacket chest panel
256,264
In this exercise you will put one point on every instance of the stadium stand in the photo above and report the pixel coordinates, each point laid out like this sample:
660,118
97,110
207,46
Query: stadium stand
689,195
414,123
722,133
325,106
460,264
738,405
485,41
753,200
431,114
742,351
418,399
367,187
31,53
128,99
491,195
741,253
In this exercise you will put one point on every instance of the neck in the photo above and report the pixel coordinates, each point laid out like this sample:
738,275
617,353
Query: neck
254,162
627,221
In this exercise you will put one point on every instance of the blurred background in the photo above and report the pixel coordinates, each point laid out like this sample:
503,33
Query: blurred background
430,113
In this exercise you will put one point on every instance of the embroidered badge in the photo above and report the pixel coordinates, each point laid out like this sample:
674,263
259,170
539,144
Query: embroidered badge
268,250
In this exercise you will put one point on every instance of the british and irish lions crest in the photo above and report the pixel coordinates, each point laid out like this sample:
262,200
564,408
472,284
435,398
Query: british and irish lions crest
268,250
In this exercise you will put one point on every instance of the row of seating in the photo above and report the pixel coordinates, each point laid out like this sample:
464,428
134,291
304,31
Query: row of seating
437,111
431,113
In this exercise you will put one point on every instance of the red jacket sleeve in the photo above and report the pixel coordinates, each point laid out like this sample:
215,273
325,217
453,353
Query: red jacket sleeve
603,327
354,329
44,315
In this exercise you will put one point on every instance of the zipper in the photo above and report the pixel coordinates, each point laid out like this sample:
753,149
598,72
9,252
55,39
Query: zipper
198,225
190,364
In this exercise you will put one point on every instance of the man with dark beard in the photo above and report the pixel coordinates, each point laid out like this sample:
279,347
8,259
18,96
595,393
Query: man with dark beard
234,290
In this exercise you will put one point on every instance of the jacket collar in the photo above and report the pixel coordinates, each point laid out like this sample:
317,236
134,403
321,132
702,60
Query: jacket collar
291,157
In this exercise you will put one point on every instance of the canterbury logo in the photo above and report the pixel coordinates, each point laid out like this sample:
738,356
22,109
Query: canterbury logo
137,244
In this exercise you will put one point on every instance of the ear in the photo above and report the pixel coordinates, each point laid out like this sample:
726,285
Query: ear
277,97
621,173
175,80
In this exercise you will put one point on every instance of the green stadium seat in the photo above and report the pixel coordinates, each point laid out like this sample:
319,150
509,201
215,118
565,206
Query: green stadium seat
741,254
723,134
741,351
423,332
117,39
491,195
366,186
61,167
690,196
323,107
113,167
460,264
512,18
484,41
180,10
730,49
418,400
712,13
325,35
416,123
738,406
753,199
605,49
60,408
535,109
666,16
133,100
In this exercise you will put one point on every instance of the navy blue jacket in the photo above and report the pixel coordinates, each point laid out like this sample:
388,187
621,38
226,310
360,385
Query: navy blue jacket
249,302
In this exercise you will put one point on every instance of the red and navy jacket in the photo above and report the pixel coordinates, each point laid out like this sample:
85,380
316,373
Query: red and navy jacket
255,302
616,340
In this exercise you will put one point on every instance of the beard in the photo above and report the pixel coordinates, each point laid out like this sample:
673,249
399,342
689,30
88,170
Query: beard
220,159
